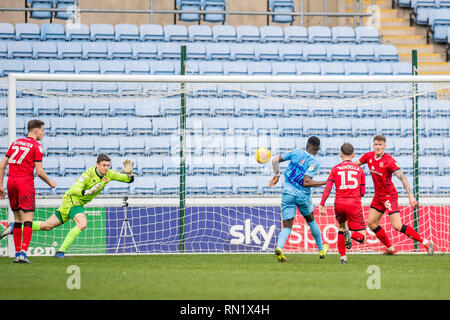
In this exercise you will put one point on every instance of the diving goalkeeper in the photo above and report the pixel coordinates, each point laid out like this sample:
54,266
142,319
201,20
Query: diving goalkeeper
87,187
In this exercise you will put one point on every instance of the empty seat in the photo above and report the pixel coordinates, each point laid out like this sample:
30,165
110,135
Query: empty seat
114,126
386,52
168,50
7,31
140,126
223,33
291,52
157,145
102,31
319,34
73,166
266,52
247,33
44,107
200,33
131,145
89,126
295,34
244,185
343,34
367,34
36,66
219,185
240,51
338,52
112,67
20,50
215,51
51,166
95,50
81,145
144,50
175,33
43,50
69,50
362,52
290,126
151,32
314,52
126,32
87,67
150,165
271,34
77,31
281,6
143,185
56,145
27,31
52,31
121,50
108,145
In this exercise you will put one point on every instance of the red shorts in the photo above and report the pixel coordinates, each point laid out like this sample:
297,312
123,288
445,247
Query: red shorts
350,211
385,204
21,194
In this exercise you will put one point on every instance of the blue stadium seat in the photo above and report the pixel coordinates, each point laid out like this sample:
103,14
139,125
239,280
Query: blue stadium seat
217,51
68,5
278,90
405,163
235,68
246,33
147,108
214,5
240,51
162,67
431,146
348,90
175,33
262,126
281,6
77,31
388,127
271,108
290,126
241,126
223,33
338,52
89,126
267,51
24,107
102,31
69,50
196,185
140,126
20,50
200,33
63,126
439,20
292,51
403,146
386,52
362,52
315,52
46,107
402,68
149,165
215,126
343,34
168,50
87,67
437,127
111,67
226,165
219,185
327,90
364,127
56,146
421,9
380,68
440,108
308,69
263,185
210,68
156,145
271,34
3,50
196,51
120,50
246,107
115,126
168,185
222,107
319,34
51,166
143,186
295,34
43,50
27,31
356,69
284,69
95,50
72,166
166,127
188,5
394,109
339,127
298,109
374,88
52,31
151,32
105,88
126,32
315,126
109,145
367,34
136,67
441,184
131,146
7,31
42,188
332,69
8,66
144,50
36,66
244,185
81,146
198,166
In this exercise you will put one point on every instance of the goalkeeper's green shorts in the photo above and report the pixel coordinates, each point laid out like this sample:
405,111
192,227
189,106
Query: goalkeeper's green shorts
64,217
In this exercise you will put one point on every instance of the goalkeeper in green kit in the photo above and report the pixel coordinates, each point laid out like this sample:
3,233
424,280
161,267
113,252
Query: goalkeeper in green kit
87,187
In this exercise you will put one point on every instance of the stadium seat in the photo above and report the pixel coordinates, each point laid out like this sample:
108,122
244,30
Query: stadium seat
367,34
137,67
81,146
362,52
27,31
271,34
46,107
69,50
364,127
89,126
132,146
196,51
315,52
102,31
42,188
235,68
284,69
263,126
44,50
162,67
198,166
143,186
140,126
214,5
343,34
290,126
210,68
151,32
219,185
51,166
281,6
246,107
278,90
167,126
8,66
263,185
126,32
120,50
196,185
63,126
319,34
95,50
295,34
149,165
200,33
168,50
77,31
405,163
115,126
240,51
175,33
428,165
440,108
380,68
36,66
315,126
109,145
308,69
224,33
7,31
437,127
386,52
327,90
247,33
72,166
56,146
402,68
168,185
217,51
270,108
267,51
52,31
244,185
20,50
87,67
338,52
144,50
68,5
289,52
332,69
111,67
188,5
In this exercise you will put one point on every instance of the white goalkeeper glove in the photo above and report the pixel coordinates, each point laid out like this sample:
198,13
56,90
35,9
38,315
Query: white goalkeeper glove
92,190
128,168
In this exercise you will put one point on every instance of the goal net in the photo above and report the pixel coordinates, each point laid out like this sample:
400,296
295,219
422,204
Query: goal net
198,187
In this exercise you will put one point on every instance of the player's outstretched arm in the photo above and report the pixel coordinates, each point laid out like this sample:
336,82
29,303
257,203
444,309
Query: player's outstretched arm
41,174
412,200
276,170
309,182
3,165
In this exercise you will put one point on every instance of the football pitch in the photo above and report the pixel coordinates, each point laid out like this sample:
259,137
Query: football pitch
227,277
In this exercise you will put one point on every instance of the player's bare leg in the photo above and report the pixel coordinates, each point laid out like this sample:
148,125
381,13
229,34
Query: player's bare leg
287,225
47,225
398,225
374,224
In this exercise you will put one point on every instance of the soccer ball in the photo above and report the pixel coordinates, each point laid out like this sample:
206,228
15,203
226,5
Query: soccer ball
262,155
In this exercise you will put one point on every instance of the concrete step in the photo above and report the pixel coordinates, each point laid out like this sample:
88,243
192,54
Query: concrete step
421,48
422,57
403,39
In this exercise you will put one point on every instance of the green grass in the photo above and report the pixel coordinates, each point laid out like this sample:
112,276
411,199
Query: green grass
224,277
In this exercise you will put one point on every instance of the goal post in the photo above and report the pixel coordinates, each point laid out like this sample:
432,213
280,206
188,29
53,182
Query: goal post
226,206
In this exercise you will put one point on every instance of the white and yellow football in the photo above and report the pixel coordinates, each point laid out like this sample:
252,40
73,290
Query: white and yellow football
262,155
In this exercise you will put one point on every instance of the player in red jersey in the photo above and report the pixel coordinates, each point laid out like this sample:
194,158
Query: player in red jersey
350,184
385,200
23,156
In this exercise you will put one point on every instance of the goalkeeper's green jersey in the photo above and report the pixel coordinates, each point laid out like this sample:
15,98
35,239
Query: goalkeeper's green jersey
89,178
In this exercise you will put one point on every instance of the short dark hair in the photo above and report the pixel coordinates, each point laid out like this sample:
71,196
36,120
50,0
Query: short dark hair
313,143
33,124
103,157
379,137
347,149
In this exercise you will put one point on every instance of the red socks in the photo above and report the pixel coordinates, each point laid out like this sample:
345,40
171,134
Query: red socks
381,235
27,233
17,235
341,243
411,233
357,236
22,238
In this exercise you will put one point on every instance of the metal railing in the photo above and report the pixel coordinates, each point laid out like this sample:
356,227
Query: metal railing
357,13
